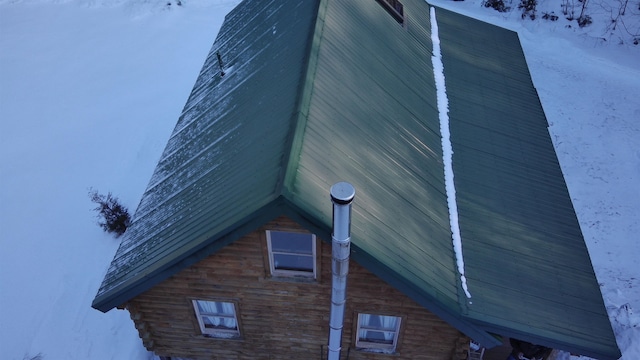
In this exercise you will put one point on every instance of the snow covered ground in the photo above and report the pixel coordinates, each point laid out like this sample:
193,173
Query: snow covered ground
90,92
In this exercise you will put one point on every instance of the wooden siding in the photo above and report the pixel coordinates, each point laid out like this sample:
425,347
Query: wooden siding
280,318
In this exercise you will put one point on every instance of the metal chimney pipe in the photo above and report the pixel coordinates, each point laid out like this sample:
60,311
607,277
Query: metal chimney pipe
342,195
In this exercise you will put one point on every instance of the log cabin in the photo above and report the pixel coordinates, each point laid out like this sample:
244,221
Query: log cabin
229,252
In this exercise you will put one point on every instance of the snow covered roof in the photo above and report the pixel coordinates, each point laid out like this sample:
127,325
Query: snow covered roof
316,92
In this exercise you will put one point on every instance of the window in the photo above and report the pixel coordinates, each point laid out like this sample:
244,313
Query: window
378,332
292,254
217,318
395,8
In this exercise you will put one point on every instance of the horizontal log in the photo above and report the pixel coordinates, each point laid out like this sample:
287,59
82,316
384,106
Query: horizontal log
279,318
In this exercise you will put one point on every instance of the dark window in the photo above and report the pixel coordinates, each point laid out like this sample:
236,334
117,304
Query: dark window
216,318
292,254
379,332
395,8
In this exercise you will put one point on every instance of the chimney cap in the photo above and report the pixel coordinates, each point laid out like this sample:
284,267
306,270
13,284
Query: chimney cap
342,193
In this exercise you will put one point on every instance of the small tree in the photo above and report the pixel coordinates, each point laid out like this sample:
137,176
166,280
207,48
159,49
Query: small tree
498,5
114,217
528,8
584,19
568,9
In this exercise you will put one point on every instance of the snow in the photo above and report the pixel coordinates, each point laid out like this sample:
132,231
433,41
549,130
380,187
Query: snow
91,90
447,148
89,96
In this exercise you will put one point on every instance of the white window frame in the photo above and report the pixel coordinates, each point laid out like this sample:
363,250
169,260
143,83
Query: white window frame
292,273
362,344
218,332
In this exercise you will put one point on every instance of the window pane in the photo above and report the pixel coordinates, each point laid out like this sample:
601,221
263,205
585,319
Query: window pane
216,315
207,307
379,337
215,308
378,322
293,262
214,322
396,5
290,242
377,331
395,8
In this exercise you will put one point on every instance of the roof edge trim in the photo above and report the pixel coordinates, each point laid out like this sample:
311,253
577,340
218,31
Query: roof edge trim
119,295
450,315
299,118
600,353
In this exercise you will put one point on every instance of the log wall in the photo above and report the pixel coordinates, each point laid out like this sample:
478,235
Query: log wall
281,318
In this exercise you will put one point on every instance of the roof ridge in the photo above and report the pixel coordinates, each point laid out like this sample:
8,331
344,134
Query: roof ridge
305,93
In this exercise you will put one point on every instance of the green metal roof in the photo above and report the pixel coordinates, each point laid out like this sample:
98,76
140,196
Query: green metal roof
317,92
224,161
526,261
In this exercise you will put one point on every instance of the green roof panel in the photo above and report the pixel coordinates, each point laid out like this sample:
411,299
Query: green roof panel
224,159
525,258
372,121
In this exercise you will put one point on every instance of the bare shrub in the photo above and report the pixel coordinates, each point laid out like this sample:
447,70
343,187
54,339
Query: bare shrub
528,8
498,5
114,217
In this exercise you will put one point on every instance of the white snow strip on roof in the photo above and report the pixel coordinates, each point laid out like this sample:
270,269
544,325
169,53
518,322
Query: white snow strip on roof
447,149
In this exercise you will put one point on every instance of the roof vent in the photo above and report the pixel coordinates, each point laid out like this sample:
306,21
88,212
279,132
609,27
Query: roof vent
220,63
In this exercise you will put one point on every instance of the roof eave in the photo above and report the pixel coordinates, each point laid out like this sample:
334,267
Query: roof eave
119,295
604,352
450,315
